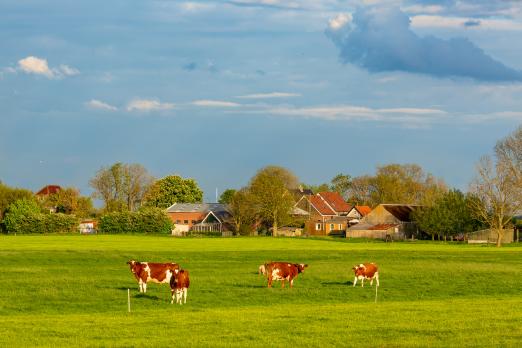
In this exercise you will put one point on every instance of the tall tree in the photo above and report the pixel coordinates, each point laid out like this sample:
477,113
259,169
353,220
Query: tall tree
497,198
270,189
243,211
341,184
173,189
121,186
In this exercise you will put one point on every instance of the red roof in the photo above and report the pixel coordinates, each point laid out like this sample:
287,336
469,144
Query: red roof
335,200
48,190
382,227
321,205
363,209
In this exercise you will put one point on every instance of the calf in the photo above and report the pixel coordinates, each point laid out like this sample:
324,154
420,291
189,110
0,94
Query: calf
366,271
152,272
179,284
284,271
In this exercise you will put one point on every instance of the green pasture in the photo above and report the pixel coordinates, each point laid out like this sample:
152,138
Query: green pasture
72,291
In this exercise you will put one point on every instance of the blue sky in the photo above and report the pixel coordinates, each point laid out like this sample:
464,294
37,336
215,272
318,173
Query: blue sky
215,90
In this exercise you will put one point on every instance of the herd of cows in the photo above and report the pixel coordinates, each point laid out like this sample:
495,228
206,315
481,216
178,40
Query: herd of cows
179,280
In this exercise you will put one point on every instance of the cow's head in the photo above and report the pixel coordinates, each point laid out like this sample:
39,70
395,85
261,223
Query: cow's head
301,267
133,265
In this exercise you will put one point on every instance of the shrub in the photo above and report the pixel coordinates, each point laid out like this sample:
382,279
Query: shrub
148,220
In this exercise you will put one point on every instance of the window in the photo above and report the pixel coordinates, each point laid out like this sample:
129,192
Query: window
332,227
318,227
178,221
185,221
340,227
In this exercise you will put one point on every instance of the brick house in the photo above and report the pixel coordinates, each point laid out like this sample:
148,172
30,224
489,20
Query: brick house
327,213
198,217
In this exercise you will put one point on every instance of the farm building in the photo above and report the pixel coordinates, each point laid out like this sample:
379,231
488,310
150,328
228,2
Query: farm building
327,213
198,217
88,226
386,221
357,213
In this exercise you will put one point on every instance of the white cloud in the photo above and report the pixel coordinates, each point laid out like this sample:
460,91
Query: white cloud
405,116
190,6
39,66
423,9
66,70
215,103
148,105
35,65
339,21
97,104
269,95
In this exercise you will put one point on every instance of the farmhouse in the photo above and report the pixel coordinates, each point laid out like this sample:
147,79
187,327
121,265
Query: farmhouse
198,217
357,213
386,221
327,213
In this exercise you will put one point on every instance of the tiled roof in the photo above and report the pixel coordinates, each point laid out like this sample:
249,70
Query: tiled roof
196,207
48,190
335,200
363,209
321,205
382,227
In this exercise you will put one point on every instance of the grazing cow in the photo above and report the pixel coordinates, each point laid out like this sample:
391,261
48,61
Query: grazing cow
366,271
284,271
152,272
263,269
179,284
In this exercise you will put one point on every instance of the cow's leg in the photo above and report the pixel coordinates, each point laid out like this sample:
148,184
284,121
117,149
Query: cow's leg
185,290
291,283
282,283
371,281
173,294
144,284
179,295
377,277
362,282
269,282
354,281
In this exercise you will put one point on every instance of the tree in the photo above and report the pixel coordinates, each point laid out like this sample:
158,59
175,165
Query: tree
446,216
226,196
270,190
341,183
173,189
360,191
243,211
497,197
69,201
18,212
121,186
9,195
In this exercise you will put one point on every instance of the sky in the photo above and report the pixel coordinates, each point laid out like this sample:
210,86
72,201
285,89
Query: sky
216,90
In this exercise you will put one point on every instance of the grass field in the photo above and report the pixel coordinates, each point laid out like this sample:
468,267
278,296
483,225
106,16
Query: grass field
72,291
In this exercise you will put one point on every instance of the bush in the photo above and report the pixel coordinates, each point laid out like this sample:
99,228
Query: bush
148,220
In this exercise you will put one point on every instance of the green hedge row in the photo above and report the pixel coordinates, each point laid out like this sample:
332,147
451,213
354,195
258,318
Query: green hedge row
44,223
148,220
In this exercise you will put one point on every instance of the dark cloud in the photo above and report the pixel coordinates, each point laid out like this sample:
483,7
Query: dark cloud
380,39
190,66
472,23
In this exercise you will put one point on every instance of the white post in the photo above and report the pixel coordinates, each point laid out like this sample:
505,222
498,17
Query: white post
128,300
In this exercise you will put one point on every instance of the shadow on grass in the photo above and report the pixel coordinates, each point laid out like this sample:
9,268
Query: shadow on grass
150,297
337,283
248,286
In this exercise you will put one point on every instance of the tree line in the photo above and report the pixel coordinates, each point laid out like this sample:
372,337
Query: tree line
266,202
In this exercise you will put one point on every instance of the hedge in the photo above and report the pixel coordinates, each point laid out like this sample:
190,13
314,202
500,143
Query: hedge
43,224
148,220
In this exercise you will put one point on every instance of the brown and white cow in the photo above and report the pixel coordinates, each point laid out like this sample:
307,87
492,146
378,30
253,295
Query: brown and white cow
179,284
284,271
152,272
366,271
262,269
